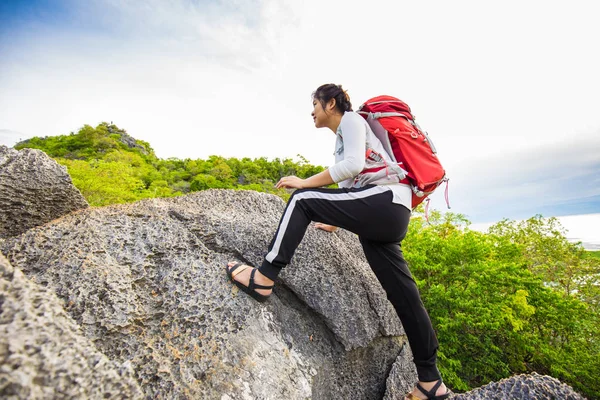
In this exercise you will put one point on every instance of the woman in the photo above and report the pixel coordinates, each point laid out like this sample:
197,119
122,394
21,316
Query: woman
371,203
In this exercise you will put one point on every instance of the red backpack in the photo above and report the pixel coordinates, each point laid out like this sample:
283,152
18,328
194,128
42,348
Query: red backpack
394,125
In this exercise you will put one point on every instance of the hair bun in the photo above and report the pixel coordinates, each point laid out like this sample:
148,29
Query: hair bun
329,91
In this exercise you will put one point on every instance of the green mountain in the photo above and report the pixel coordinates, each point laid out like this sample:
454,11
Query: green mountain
109,166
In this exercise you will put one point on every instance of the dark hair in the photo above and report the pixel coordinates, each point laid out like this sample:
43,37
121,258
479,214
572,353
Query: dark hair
325,93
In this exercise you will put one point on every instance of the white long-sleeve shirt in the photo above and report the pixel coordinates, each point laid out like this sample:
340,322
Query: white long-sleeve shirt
354,138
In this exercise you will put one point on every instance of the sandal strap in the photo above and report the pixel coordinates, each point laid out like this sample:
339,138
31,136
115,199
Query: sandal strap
237,268
257,286
234,266
253,285
430,393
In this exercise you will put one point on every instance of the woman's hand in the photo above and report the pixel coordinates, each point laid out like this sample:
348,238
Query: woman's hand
291,182
325,227
323,178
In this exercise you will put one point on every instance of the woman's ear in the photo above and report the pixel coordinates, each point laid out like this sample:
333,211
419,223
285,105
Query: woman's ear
331,105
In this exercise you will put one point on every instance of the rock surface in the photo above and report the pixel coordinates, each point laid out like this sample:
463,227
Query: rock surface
146,282
43,353
125,138
523,387
34,189
519,387
402,377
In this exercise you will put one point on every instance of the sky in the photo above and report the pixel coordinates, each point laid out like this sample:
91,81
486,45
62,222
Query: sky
508,91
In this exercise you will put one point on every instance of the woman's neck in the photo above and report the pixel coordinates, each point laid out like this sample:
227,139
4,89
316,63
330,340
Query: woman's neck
334,122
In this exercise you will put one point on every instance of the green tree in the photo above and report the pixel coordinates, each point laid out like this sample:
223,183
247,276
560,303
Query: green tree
103,183
494,313
204,181
541,245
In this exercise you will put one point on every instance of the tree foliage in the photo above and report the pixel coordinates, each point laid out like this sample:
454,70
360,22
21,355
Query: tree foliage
109,166
517,299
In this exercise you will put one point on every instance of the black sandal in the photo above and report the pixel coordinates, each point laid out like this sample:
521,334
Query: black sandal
250,289
429,393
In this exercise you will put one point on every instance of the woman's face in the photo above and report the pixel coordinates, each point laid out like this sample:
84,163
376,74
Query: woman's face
318,114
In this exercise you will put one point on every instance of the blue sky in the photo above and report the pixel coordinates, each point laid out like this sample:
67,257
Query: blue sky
510,92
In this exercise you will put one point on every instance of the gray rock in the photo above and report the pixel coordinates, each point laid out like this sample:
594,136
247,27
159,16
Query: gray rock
402,378
125,138
147,284
34,189
43,354
520,387
523,387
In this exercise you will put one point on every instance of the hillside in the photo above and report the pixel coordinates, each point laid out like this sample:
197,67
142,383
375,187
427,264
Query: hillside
109,166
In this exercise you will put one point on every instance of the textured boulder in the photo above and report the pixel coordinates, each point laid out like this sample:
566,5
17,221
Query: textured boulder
43,354
519,387
146,282
34,189
402,376
523,387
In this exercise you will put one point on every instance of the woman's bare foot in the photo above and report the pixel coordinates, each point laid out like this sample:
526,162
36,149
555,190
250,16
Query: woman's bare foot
243,277
428,386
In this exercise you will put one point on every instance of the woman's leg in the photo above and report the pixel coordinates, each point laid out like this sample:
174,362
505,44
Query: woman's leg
381,226
367,211
363,211
391,269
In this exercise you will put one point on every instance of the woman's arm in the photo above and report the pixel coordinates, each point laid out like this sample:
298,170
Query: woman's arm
354,134
323,178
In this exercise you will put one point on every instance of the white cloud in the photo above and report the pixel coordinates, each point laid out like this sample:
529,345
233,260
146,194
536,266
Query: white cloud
527,181
578,228
10,138
493,84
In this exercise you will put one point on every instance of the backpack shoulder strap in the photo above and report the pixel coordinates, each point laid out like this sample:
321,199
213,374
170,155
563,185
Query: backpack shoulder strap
377,115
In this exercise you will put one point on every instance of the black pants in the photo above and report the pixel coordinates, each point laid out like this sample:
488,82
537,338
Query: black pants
381,225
